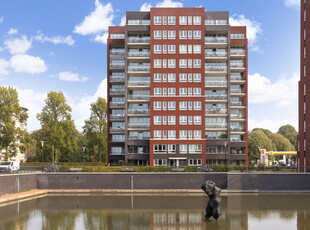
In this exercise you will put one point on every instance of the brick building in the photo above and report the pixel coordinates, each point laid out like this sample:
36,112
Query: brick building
177,89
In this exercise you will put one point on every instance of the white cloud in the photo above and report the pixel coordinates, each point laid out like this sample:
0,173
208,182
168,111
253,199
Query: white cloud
23,63
272,124
13,31
101,38
123,21
1,19
283,92
166,3
4,67
18,45
98,21
254,30
292,3
69,76
56,39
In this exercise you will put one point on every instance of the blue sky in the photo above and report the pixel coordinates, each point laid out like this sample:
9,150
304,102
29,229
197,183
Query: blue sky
60,45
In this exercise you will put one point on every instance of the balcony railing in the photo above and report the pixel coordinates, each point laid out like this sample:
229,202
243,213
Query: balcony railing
236,129
215,54
138,153
237,103
236,116
139,125
138,22
237,52
216,97
235,152
117,52
117,129
117,78
117,104
117,116
118,140
139,83
237,78
138,54
223,152
216,111
138,138
215,68
117,153
236,90
139,40
215,83
138,68
236,65
117,65
139,97
216,125
215,40
117,91
139,111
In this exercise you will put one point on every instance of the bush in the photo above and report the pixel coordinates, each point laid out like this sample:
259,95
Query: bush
72,164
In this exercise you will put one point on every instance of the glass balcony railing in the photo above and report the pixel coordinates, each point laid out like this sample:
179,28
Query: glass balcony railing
117,65
216,97
216,125
138,54
139,83
236,129
117,78
215,54
236,65
237,103
117,52
139,97
117,91
117,152
216,111
236,90
138,39
236,78
215,39
236,116
216,68
138,138
120,139
138,68
139,125
117,129
215,83
234,152
117,104
237,52
139,111
117,116
138,22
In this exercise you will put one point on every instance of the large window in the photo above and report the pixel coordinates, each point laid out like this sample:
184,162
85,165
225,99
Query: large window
157,49
171,105
183,91
182,63
197,120
157,105
171,149
183,134
182,20
157,34
183,105
157,134
171,120
157,20
171,63
157,77
157,91
171,49
157,120
157,63
171,134
197,34
171,34
183,34
182,77
197,105
171,77
171,20
183,120
183,149
197,20
171,92
182,49
194,149
160,149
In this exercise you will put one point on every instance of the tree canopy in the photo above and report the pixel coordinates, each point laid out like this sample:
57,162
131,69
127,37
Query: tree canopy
258,139
290,133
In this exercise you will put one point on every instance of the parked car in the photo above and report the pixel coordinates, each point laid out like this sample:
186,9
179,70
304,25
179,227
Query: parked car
205,168
9,166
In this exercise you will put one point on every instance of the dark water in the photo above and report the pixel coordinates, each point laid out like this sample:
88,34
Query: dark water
261,212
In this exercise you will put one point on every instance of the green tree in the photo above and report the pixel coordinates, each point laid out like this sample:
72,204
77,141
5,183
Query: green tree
281,142
258,139
290,133
58,129
12,118
95,130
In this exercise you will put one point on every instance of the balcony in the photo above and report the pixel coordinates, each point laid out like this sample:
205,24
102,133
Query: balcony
117,91
216,111
117,152
237,91
118,139
117,52
138,54
117,104
237,65
139,97
139,138
117,78
237,116
139,68
139,126
237,78
215,54
237,152
138,22
139,111
216,125
215,40
216,97
237,103
215,83
139,40
215,68
237,52
117,116
237,129
117,129
117,65
139,83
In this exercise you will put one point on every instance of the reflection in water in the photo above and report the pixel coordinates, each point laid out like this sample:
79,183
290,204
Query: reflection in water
240,212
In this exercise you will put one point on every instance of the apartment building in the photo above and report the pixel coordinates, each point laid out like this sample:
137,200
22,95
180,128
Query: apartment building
177,89
304,88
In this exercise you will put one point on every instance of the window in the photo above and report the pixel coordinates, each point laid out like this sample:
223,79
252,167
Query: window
197,34
171,20
164,63
171,120
183,149
171,92
171,77
197,77
171,34
157,20
183,120
183,134
117,36
157,49
157,105
164,91
183,63
236,36
171,105
157,134
157,77
190,49
197,91
164,77
171,149
194,162
189,77
164,105
197,134
160,149
189,91
190,34
197,20
183,105
171,63
164,134
190,134
164,34
189,63
157,91
157,120
157,34
183,34
190,20
197,49
171,134
183,91
171,49
182,49
182,20
157,63
197,105
164,49
195,149
182,77
197,63
164,120
197,120
164,20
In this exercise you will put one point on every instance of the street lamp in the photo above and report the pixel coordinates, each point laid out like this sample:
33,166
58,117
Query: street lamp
42,144
225,144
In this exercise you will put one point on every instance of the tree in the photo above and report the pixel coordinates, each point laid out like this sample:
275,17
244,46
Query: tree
58,129
95,129
290,133
258,139
281,142
12,118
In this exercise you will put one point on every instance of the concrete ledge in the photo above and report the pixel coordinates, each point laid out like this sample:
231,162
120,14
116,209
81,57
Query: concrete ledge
22,196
